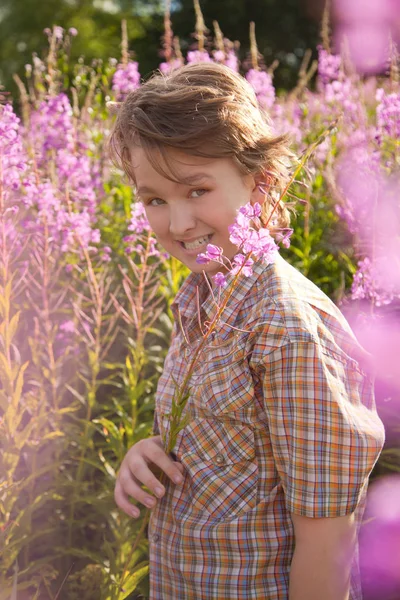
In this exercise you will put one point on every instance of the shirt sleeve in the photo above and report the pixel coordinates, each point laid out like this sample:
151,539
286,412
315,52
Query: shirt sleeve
325,432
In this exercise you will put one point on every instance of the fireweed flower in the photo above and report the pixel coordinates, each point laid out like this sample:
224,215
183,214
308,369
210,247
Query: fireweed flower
388,114
69,202
257,242
287,118
239,261
365,287
166,67
261,245
219,55
229,59
67,326
196,56
13,158
220,280
213,253
52,126
371,210
329,66
138,222
142,233
343,96
261,83
126,79
283,236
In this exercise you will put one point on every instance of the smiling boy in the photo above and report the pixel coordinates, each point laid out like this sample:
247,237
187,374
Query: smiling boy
266,495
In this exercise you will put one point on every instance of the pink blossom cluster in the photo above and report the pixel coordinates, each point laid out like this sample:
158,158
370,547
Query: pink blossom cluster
261,83
372,212
59,198
228,59
329,66
126,79
196,56
364,286
167,67
256,241
51,126
388,114
343,97
142,234
13,159
56,142
288,119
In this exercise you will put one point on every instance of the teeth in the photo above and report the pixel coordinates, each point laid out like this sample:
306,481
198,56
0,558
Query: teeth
197,243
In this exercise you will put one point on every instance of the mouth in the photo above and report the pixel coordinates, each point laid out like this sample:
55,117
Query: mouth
198,246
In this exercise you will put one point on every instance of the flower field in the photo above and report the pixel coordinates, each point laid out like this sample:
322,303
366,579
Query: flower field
85,295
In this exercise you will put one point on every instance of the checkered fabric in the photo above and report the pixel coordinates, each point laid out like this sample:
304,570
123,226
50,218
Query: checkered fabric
283,420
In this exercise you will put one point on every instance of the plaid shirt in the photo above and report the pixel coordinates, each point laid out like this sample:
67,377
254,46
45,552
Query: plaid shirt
283,420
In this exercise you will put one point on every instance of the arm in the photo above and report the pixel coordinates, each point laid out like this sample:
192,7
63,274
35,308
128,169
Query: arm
322,558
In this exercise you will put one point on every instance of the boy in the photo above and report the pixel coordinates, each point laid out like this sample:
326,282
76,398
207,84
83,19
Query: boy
266,494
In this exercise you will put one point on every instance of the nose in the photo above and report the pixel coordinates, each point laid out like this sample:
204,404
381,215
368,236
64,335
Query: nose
181,220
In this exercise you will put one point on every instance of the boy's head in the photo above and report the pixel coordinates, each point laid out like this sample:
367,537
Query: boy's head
201,117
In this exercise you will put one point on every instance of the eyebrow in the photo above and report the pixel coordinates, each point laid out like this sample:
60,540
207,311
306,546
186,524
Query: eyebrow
192,179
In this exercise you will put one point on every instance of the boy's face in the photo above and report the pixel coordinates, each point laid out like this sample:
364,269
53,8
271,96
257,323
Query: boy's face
180,212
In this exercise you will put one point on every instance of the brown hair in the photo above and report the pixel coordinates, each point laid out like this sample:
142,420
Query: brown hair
192,105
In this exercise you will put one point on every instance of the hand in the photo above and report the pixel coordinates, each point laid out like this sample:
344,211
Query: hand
137,469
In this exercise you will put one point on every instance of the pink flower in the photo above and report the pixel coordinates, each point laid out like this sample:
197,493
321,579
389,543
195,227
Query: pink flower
167,67
283,236
263,87
262,245
232,61
196,56
219,280
239,261
67,327
126,79
213,253
329,66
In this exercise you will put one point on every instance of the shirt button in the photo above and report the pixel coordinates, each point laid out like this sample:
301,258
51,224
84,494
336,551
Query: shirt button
219,459
155,537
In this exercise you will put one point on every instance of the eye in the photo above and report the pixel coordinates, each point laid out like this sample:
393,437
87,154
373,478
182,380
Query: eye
149,202
200,191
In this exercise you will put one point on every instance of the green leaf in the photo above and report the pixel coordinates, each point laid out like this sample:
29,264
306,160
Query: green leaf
131,583
13,325
77,395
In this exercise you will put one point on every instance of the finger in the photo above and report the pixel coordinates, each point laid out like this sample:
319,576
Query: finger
180,467
122,501
142,472
131,488
156,455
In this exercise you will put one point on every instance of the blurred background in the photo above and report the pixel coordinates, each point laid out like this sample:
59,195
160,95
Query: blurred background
284,29
75,267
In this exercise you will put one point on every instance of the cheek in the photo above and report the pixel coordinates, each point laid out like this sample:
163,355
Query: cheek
156,221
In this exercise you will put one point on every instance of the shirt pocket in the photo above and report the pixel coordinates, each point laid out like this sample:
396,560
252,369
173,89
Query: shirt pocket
220,461
223,379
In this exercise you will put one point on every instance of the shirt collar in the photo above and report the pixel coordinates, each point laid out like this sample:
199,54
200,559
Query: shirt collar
186,303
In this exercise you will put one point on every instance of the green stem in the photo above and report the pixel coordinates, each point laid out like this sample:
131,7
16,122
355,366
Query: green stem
91,390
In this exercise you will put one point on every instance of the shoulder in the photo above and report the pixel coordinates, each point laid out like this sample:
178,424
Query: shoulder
287,303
